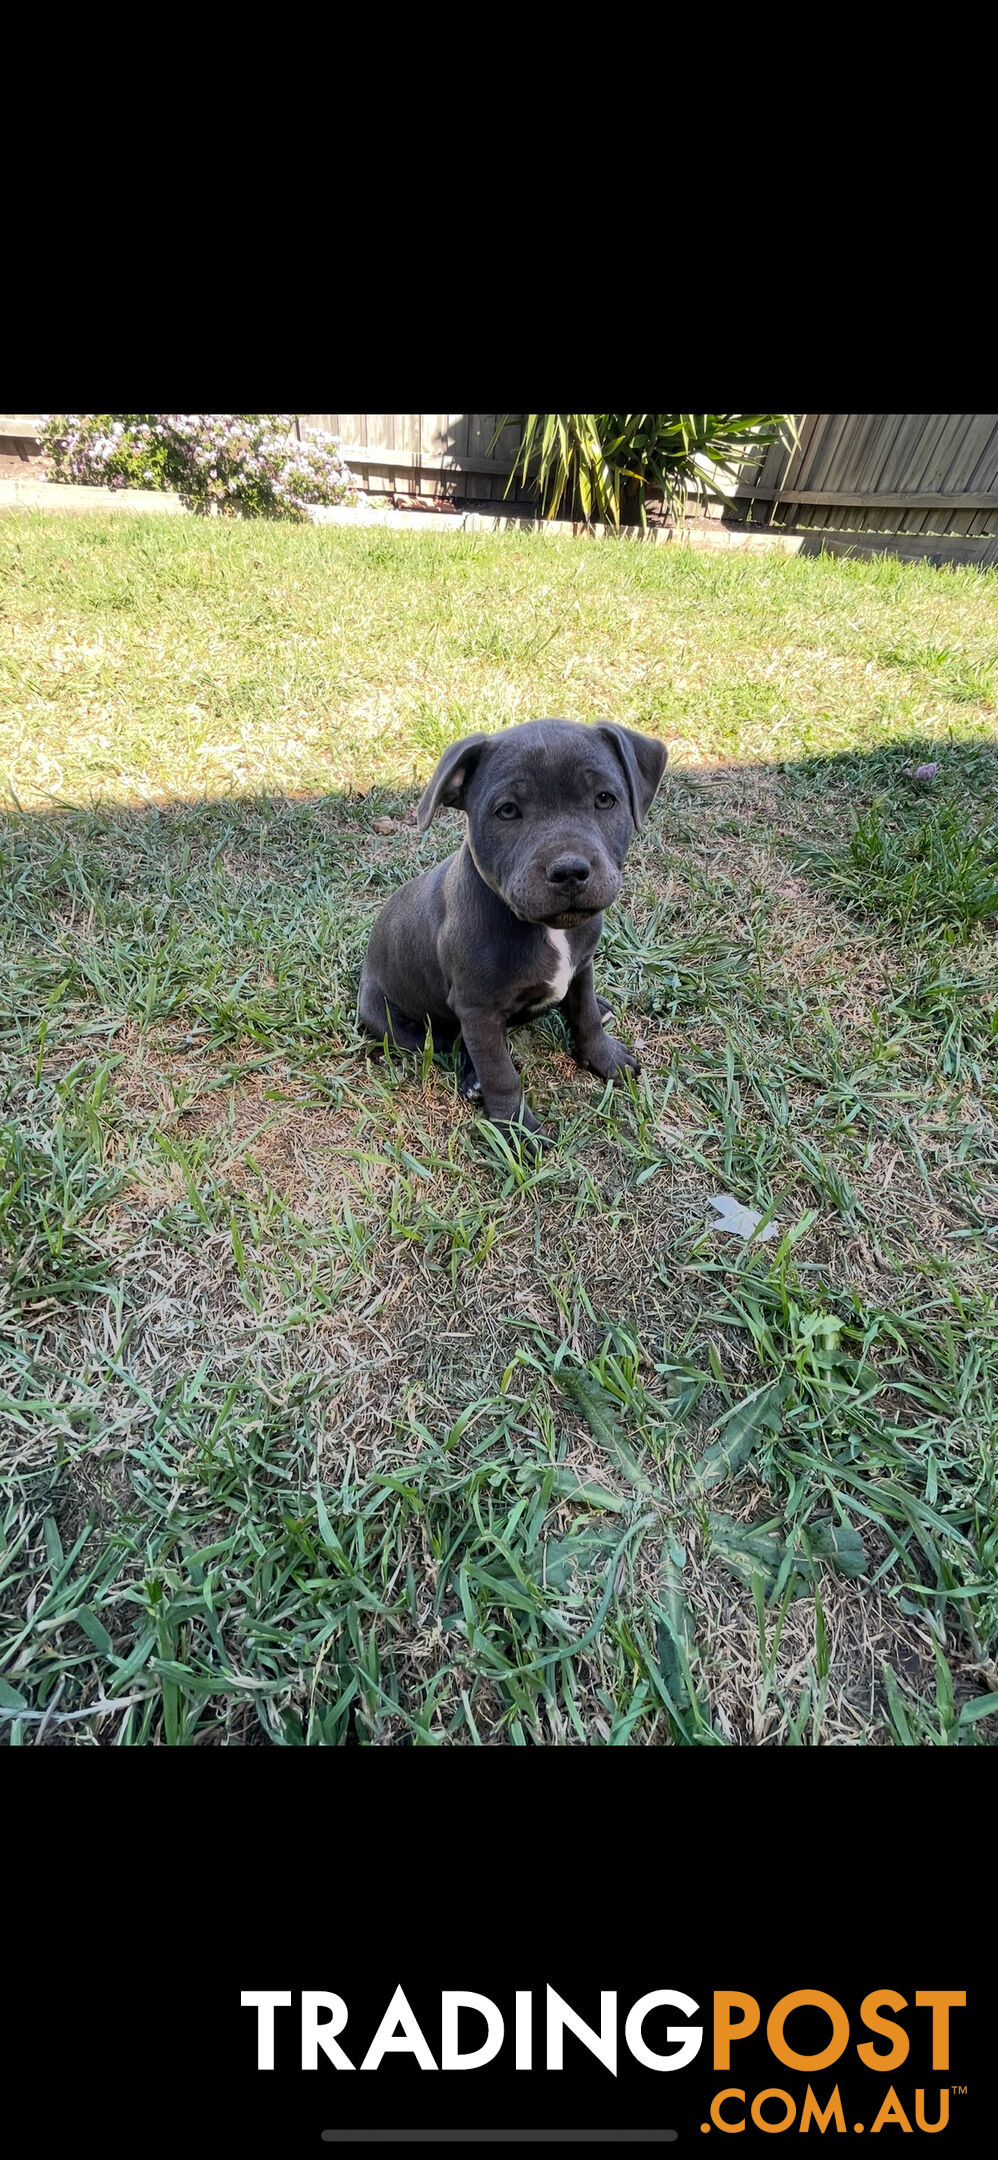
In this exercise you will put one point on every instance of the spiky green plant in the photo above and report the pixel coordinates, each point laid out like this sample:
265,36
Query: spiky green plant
602,465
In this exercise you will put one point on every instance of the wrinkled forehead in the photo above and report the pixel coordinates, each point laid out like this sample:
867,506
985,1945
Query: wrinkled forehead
552,768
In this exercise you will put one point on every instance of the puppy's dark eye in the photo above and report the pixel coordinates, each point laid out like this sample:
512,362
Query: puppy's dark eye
604,800
507,810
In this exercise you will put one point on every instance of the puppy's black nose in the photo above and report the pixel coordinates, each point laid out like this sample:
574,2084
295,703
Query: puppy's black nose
568,870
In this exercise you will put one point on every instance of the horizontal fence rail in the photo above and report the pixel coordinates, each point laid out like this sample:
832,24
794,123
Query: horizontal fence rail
454,454
925,483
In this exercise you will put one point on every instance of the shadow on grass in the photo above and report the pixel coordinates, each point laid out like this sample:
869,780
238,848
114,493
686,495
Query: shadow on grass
244,919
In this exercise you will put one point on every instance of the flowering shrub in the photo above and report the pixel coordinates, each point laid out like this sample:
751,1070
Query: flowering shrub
107,449
253,463
227,463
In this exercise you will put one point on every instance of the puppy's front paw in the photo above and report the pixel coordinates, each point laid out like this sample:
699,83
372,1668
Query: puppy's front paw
608,1059
533,1139
524,1131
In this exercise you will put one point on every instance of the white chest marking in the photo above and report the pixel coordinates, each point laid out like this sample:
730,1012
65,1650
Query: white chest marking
564,970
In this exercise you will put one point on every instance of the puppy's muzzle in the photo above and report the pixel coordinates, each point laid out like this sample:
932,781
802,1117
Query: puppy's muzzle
575,888
569,875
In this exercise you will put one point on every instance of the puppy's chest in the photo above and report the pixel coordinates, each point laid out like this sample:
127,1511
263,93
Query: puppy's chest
558,966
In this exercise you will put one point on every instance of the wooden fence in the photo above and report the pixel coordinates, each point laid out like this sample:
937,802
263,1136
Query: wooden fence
429,454
909,484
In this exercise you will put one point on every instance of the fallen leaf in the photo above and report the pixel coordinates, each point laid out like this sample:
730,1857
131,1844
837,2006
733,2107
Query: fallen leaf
740,1221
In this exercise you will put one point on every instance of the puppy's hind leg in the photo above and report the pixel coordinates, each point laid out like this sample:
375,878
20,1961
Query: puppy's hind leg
379,1017
468,1082
406,1034
372,1008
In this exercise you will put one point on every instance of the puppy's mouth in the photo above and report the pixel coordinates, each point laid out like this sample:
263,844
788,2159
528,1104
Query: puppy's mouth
569,918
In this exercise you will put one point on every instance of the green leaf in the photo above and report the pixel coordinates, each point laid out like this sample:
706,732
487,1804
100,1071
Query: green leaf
86,1618
53,1544
841,1544
567,1486
597,1409
326,1531
675,1630
982,1706
741,1429
131,1665
746,1552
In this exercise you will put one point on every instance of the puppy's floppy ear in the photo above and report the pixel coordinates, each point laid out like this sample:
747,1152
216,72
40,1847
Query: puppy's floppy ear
643,760
446,789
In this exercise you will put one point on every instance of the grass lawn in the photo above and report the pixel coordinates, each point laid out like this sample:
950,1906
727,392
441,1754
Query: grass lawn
328,1420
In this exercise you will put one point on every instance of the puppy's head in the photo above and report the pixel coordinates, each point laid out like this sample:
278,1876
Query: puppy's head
551,808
